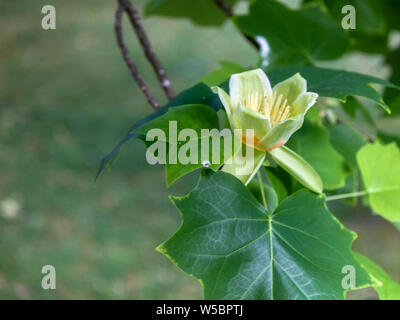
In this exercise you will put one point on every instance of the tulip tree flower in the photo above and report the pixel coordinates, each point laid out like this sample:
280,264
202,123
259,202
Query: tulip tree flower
273,114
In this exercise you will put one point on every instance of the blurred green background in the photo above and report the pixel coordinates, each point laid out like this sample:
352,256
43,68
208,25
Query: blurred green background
66,99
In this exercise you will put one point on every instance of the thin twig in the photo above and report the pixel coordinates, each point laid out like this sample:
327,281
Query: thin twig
131,65
134,18
229,13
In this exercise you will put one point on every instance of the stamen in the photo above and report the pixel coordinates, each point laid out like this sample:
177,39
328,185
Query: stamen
278,115
259,104
276,106
265,106
282,111
255,101
286,113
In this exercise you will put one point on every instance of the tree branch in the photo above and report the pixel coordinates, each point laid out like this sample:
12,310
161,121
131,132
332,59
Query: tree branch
131,65
134,18
229,13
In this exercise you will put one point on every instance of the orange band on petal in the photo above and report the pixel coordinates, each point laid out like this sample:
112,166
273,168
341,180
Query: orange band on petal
250,141
277,145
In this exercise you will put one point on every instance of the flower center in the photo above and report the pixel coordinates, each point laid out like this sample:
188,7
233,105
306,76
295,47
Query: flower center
274,107
253,101
277,109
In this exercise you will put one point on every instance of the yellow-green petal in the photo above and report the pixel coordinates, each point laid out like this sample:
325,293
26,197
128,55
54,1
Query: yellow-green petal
281,133
304,102
296,166
248,83
226,102
225,99
291,88
246,118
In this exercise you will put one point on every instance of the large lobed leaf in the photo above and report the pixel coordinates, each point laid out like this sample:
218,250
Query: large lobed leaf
380,170
333,83
238,251
196,117
198,94
370,17
295,36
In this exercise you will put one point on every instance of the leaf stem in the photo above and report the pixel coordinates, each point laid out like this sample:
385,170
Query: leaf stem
347,195
262,189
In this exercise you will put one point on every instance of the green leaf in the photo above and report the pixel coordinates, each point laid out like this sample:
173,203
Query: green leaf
347,142
332,83
202,12
370,17
276,183
197,118
380,171
371,34
238,251
295,36
198,94
313,115
392,14
270,195
297,167
393,96
218,76
388,289
355,115
312,143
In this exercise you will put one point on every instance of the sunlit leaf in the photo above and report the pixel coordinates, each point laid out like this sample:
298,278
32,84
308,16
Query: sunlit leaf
388,289
380,170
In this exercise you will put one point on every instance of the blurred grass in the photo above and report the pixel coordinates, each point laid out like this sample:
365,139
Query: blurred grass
66,98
